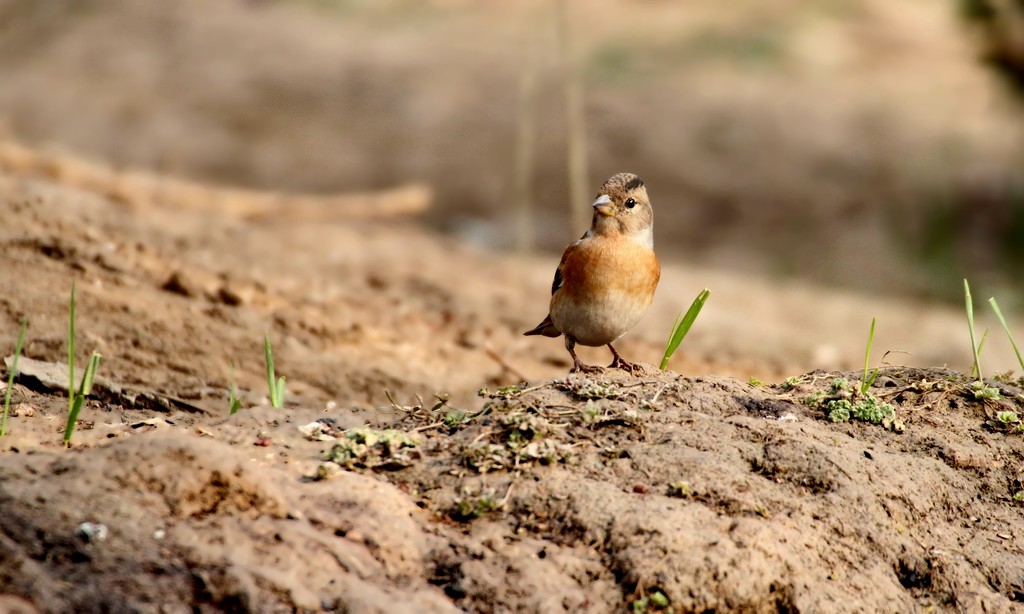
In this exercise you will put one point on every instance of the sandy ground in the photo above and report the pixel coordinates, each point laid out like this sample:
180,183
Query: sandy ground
210,172
693,492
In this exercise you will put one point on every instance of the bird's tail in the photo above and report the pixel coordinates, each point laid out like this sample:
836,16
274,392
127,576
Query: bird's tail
546,328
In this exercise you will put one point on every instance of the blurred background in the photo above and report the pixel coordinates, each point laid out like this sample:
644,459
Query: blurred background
867,144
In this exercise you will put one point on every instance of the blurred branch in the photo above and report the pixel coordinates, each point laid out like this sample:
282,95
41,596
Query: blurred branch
1002,26
526,142
140,189
575,122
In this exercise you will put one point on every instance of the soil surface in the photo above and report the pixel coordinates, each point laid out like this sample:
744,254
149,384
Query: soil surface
430,459
208,173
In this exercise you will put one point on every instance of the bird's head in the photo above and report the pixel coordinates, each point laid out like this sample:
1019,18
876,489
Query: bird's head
622,208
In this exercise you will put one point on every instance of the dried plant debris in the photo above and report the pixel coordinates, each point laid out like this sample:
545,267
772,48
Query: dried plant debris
522,439
504,393
587,388
420,416
471,508
372,449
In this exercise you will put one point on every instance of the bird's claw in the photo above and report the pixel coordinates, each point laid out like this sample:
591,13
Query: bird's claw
579,367
631,367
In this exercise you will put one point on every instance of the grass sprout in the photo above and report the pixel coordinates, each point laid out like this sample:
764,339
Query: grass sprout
11,376
654,601
969,304
682,326
868,379
71,350
234,403
1002,320
274,384
83,391
981,348
77,398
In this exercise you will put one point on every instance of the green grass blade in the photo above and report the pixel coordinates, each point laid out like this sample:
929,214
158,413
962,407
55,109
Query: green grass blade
280,391
872,378
865,382
84,388
269,358
970,326
675,326
71,350
90,374
11,376
274,385
69,427
234,403
682,326
981,347
1002,320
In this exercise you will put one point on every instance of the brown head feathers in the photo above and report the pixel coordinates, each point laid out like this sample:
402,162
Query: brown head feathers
629,211
621,182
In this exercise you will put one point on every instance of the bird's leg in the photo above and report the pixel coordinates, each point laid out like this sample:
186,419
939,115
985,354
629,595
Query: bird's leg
577,366
621,363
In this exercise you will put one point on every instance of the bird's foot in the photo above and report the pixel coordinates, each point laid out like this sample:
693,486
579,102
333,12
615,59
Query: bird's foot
631,367
579,367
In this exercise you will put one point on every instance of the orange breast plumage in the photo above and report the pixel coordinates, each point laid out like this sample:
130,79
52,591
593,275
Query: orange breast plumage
607,285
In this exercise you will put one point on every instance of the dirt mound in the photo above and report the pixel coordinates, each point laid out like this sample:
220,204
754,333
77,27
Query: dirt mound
724,496
579,493
387,483
175,519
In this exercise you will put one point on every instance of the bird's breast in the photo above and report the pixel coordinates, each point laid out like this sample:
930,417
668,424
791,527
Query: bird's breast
608,286
612,266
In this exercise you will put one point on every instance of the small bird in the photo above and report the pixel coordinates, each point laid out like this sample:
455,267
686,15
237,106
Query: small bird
606,280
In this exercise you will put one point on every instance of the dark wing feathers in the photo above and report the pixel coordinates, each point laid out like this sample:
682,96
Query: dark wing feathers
547,328
559,278
557,282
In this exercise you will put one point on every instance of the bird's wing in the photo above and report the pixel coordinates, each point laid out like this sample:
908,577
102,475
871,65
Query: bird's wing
547,327
556,283
559,277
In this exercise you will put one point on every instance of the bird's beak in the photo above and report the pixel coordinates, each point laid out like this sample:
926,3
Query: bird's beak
604,206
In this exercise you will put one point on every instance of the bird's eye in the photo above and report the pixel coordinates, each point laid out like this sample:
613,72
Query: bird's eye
630,203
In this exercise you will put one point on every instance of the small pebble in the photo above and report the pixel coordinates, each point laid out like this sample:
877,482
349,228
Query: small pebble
92,531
